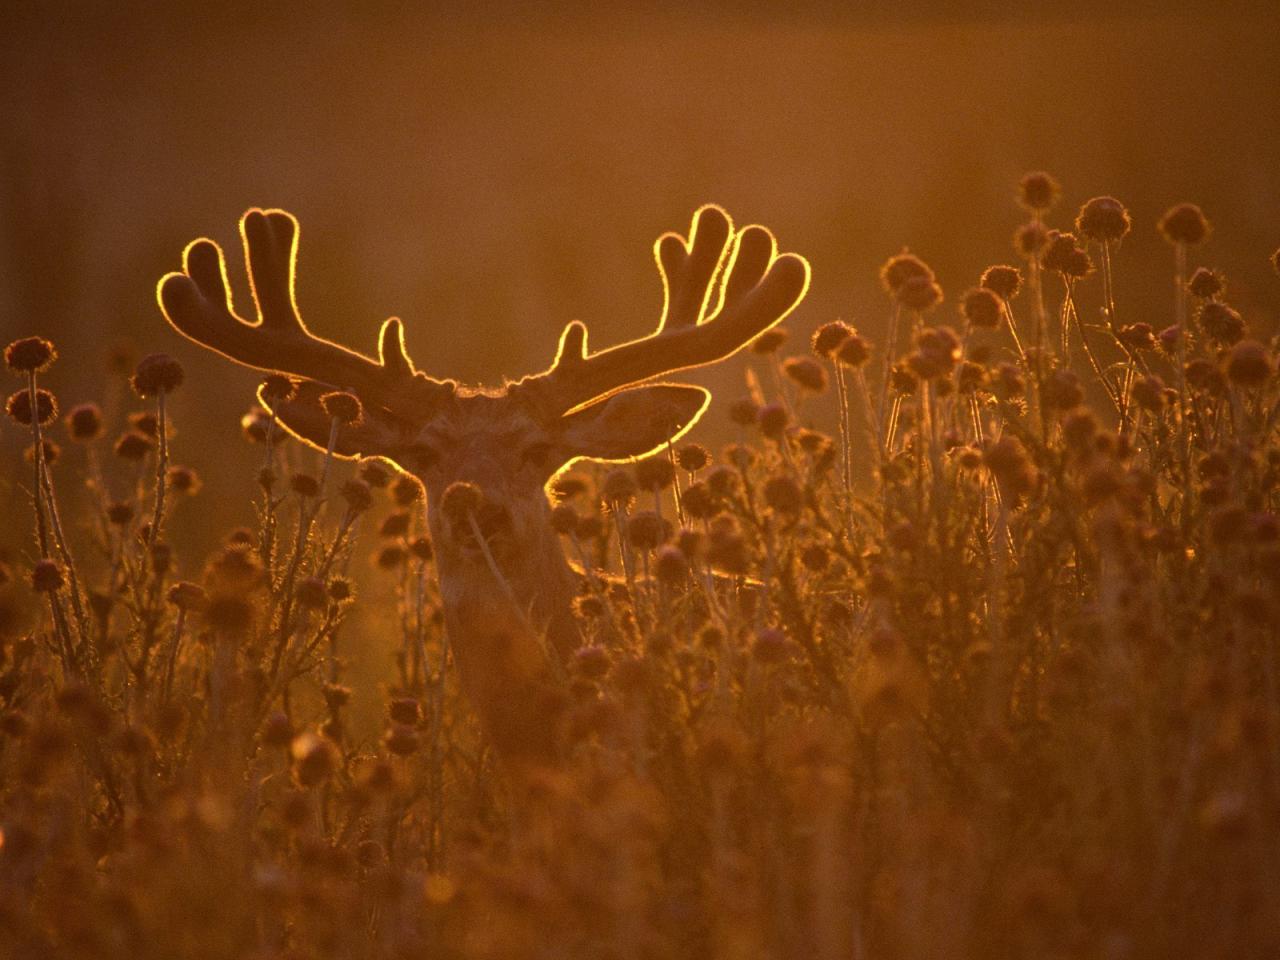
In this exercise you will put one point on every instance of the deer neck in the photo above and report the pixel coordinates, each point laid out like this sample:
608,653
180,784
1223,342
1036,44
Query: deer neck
510,635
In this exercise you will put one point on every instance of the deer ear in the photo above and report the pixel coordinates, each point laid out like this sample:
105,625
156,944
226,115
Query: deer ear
633,423
304,417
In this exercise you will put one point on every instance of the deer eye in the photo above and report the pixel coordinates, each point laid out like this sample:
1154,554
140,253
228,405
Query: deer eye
537,454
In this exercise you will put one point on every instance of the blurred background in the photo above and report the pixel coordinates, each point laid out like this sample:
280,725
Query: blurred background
489,174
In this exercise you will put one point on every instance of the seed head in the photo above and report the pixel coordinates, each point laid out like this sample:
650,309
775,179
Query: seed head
656,473
276,388
342,406
920,294
829,336
18,406
255,425
46,577
619,487
769,646
375,474
1249,364
646,530
806,373
312,593
395,524
784,495
898,269
460,500
1002,280
1029,239
1038,191
692,457
155,374
421,548
772,419
133,446
1063,254
30,355
186,595
1137,336
184,480
564,519
339,589
390,557
769,341
855,351
84,422
982,307
1184,223
670,564
1220,323
1103,219
120,513
304,485
1205,283
406,491
1148,393
357,495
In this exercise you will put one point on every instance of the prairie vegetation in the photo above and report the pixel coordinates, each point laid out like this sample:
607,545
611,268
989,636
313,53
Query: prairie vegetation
967,647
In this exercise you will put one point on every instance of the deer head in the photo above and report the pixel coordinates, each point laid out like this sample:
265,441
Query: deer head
722,288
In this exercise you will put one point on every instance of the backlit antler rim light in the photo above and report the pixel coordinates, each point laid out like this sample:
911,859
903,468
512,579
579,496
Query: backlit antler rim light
754,291
197,302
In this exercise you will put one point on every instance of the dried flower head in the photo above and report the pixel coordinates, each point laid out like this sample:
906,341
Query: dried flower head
276,388
406,491
133,446
84,422
29,355
564,519
1063,254
1249,364
829,336
1038,191
855,351
342,406
806,373
655,473
982,307
769,341
619,487
773,419
898,269
375,473
155,374
1002,280
1137,336
1221,323
460,500
188,596
1148,393
304,485
256,424
18,406
784,495
670,565
1103,219
920,294
357,495
692,457
184,480
1205,283
1029,239
1184,224
46,577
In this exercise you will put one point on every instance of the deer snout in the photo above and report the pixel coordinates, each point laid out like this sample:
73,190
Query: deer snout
472,516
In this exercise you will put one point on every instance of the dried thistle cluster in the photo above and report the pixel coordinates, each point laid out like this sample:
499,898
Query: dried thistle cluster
965,646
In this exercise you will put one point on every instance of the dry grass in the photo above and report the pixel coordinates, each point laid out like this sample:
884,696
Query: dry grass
1008,689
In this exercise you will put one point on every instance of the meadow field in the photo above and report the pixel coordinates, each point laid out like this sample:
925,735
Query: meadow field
966,646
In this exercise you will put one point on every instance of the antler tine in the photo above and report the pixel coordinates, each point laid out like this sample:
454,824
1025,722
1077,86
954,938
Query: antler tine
757,288
197,302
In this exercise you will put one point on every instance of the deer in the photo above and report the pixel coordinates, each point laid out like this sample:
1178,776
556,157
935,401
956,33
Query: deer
506,585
